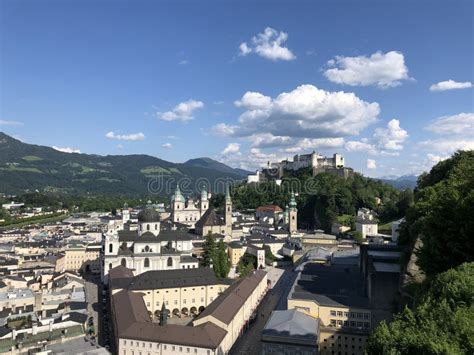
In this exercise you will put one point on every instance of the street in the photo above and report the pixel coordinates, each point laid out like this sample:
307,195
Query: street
249,343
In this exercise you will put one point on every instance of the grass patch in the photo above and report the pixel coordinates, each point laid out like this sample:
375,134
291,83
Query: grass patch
31,158
33,220
14,168
151,170
345,219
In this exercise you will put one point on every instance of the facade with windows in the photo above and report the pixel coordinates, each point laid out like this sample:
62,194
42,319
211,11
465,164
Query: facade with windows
149,248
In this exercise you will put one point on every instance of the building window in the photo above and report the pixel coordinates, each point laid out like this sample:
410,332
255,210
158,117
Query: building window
339,313
123,262
147,227
156,226
170,261
147,262
333,313
110,266
111,248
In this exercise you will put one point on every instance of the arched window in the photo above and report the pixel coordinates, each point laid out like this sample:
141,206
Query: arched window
147,262
228,209
170,261
147,227
156,226
111,248
123,262
147,249
110,266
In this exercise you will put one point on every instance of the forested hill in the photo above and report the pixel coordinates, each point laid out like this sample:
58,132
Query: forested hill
27,167
325,197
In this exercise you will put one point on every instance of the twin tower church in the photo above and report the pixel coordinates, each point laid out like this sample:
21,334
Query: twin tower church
152,244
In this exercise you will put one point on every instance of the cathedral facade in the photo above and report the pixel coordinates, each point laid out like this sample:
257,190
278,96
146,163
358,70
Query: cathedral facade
188,211
148,248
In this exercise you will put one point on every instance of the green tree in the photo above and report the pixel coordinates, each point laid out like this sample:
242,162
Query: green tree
246,265
208,250
442,215
357,236
222,261
441,323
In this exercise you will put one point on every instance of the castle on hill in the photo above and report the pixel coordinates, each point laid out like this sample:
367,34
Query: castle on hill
318,163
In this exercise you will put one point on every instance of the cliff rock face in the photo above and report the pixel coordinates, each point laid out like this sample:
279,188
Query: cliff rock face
413,273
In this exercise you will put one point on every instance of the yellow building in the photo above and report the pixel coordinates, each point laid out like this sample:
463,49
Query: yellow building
184,292
335,295
235,250
81,257
214,331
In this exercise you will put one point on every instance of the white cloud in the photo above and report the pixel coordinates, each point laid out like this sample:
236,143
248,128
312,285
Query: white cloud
307,144
232,148
450,85
356,146
435,159
269,45
305,112
66,149
10,123
251,160
447,146
383,70
254,101
223,129
392,137
182,112
462,124
167,145
126,137
183,62
267,140
371,164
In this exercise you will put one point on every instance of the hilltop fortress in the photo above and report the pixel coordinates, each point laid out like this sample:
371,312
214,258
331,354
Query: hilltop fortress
317,162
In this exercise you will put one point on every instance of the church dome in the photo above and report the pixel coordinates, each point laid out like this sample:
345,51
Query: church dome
148,215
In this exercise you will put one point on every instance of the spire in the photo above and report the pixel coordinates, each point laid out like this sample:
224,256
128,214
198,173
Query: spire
227,194
163,314
203,194
292,201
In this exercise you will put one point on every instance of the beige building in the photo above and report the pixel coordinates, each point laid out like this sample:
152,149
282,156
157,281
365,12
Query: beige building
235,250
214,331
334,294
210,222
79,257
183,292
188,211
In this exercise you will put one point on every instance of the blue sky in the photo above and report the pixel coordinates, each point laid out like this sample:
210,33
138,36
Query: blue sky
244,81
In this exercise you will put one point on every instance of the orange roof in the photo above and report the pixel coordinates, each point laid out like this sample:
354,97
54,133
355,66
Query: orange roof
269,208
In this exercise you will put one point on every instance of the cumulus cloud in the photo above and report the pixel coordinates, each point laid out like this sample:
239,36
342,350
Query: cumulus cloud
450,85
305,112
269,44
268,140
356,146
392,137
380,69
232,148
167,145
371,164
307,144
447,146
251,160
10,123
126,137
462,124
66,149
183,111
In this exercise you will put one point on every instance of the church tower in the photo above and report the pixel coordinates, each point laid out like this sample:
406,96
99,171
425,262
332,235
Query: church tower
228,211
293,215
177,203
204,203
125,213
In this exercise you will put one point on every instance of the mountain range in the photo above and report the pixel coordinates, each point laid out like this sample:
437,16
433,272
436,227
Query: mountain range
27,168
401,182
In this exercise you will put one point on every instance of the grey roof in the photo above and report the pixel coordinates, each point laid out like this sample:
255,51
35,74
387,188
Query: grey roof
148,215
133,322
188,259
209,218
331,285
291,324
174,278
232,299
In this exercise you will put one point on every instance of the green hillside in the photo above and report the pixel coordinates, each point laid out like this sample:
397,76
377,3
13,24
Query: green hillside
27,167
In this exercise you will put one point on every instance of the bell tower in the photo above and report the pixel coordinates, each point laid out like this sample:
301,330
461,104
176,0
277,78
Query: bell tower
228,211
204,203
293,215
